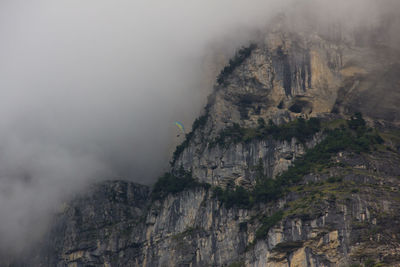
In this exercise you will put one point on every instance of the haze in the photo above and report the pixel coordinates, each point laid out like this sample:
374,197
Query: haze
90,89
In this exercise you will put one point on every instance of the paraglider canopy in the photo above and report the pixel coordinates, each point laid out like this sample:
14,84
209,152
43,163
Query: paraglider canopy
180,126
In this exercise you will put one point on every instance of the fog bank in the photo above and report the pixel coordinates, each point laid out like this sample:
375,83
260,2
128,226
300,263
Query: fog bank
90,89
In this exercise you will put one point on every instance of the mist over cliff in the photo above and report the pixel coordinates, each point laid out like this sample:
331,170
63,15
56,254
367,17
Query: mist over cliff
90,90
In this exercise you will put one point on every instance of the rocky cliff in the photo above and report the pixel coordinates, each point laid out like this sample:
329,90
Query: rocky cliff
277,171
346,214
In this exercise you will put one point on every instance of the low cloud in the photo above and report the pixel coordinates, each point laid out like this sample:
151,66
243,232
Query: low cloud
90,89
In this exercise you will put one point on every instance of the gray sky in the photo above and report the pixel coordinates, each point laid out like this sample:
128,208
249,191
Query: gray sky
89,89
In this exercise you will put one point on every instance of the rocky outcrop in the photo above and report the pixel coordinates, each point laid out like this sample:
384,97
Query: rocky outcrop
96,227
219,165
290,75
325,223
286,76
342,213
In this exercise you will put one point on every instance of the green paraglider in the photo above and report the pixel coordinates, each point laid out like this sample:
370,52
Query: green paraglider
180,126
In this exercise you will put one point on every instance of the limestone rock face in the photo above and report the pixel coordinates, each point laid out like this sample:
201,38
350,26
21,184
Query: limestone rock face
219,165
291,75
108,219
286,76
353,221
326,221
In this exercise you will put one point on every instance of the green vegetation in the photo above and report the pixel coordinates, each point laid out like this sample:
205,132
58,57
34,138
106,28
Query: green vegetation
300,129
238,59
335,180
351,135
359,139
267,222
392,137
312,197
354,137
237,264
199,123
369,263
237,196
174,182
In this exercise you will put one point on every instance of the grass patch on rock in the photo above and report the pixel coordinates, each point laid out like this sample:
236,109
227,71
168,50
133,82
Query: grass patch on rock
175,182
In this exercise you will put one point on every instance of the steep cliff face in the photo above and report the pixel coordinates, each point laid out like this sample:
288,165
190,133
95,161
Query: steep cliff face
98,226
326,222
345,210
287,76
